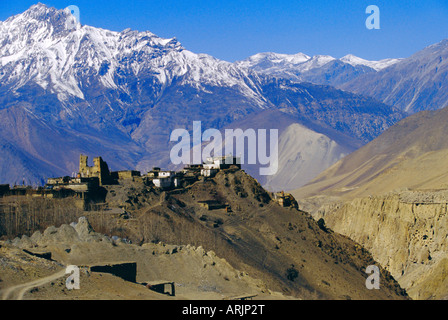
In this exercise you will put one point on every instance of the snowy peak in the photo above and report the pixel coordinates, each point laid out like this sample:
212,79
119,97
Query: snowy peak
39,17
278,58
295,58
40,12
318,69
271,60
301,62
41,26
276,63
291,66
316,62
377,65
39,47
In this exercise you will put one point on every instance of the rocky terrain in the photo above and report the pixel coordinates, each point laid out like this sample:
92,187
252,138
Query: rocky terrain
198,274
258,247
391,197
406,232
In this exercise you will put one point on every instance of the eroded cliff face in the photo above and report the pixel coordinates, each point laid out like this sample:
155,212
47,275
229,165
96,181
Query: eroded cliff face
406,232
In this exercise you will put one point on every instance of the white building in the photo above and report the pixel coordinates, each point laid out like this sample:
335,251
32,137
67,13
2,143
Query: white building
221,162
213,164
209,172
164,183
164,174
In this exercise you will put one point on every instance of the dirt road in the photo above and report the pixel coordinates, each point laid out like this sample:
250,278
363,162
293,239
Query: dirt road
17,292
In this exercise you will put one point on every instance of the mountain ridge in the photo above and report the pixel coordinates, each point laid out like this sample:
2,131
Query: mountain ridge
318,69
408,155
133,88
413,84
391,197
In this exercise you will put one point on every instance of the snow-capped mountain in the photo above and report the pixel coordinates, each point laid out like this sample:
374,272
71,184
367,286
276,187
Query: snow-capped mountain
319,69
57,58
273,61
67,88
290,65
376,65
416,83
412,84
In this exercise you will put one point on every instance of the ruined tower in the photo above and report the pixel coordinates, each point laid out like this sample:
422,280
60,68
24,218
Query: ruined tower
83,168
99,170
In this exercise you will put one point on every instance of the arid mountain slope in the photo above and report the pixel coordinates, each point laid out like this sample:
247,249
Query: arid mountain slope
411,154
260,237
304,148
284,249
391,197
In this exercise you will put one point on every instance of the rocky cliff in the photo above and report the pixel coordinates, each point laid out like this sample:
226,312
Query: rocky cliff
406,232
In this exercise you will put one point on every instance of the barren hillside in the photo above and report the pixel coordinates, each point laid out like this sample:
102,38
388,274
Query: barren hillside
410,154
283,251
390,196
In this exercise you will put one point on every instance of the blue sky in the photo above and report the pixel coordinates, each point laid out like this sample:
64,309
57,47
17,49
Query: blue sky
235,29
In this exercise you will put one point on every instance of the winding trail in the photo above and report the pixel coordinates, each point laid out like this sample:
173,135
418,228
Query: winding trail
19,290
